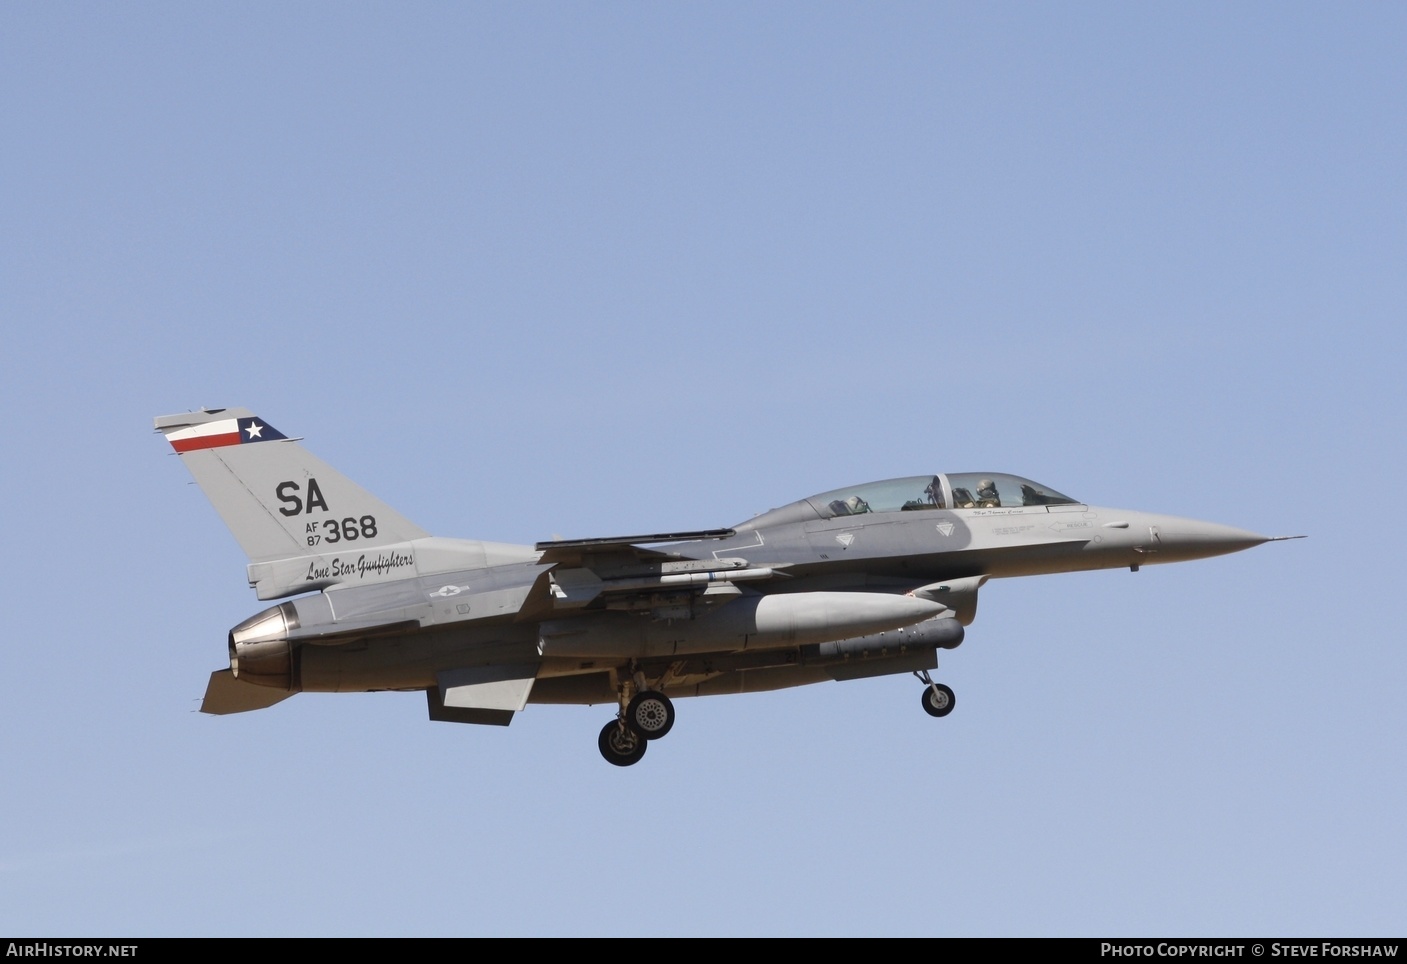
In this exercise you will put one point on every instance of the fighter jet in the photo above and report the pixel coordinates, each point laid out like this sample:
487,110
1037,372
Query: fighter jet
864,581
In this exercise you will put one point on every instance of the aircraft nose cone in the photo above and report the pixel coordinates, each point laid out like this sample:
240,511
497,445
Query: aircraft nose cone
1190,539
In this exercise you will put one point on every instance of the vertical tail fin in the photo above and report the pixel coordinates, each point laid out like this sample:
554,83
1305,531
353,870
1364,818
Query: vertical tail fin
280,501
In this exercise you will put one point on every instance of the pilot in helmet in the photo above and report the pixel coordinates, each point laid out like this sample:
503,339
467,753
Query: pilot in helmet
856,505
987,497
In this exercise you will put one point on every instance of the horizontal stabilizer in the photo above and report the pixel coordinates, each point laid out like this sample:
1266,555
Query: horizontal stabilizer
226,694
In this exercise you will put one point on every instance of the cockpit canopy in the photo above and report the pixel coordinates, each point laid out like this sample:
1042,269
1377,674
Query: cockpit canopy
969,490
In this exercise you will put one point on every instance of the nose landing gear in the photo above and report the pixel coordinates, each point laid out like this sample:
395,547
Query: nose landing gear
938,700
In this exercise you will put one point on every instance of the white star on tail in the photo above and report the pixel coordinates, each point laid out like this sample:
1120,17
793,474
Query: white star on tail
254,429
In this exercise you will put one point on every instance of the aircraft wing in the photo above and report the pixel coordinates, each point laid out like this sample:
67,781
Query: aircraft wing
618,572
574,551
614,572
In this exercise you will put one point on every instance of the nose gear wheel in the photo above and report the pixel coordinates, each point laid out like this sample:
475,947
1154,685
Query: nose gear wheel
938,700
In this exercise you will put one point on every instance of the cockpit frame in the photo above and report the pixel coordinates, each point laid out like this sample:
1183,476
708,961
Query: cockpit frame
965,490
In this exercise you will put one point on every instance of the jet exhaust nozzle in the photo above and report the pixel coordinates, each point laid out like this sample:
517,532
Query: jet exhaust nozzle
260,652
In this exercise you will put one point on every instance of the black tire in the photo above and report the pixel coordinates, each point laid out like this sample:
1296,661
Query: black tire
938,700
650,714
621,746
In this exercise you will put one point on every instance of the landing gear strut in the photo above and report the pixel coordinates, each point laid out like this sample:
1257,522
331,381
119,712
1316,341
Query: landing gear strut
646,716
938,700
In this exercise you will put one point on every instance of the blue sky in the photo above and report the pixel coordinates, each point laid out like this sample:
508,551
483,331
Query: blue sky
527,270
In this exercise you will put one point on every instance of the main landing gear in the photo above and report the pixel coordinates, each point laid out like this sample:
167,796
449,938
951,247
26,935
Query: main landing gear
649,715
938,700
646,716
620,744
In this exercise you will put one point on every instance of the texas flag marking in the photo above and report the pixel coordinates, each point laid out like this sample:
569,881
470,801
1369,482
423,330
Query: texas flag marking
225,431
